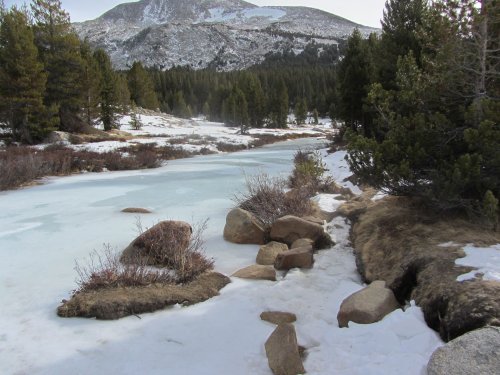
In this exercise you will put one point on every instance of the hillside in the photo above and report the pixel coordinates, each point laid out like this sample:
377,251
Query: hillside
230,34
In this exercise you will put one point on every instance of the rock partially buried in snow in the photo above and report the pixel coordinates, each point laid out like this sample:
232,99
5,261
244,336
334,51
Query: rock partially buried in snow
302,242
268,253
278,317
136,210
290,228
368,305
301,257
257,272
148,247
476,352
244,228
282,351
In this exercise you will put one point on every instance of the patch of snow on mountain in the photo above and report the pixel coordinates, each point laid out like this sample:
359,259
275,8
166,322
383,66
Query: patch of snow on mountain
486,260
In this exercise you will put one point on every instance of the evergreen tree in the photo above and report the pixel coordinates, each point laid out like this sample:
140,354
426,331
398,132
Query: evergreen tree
180,108
108,100
90,84
22,80
401,24
59,48
442,116
354,80
300,111
279,106
315,116
135,119
141,87
122,92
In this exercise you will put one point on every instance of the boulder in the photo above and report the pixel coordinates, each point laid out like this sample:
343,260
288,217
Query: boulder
152,246
278,317
368,305
244,228
302,242
290,228
58,137
116,303
268,253
301,257
256,272
314,219
282,351
136,210
477,352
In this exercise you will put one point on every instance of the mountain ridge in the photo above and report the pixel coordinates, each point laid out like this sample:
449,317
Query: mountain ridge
235,33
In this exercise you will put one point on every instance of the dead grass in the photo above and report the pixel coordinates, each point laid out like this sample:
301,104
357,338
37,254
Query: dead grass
265,139
230,147
397,240
309,173
267,199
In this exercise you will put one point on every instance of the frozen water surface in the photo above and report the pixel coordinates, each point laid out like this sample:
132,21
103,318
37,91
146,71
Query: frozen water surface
44,229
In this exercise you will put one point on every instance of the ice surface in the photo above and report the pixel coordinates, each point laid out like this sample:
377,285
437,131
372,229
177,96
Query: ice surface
485,259
45,228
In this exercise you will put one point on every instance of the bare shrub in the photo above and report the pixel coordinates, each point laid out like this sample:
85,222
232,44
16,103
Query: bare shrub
104,270
230,147
309,173
267,199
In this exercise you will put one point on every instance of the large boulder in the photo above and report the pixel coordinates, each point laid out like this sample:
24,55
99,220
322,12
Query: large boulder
244,228
152,246
477,352
268,253
58,137
257,272
301,257
368,305
282,351
290,228
115,303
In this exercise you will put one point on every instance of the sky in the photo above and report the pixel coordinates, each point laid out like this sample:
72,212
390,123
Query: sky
365,12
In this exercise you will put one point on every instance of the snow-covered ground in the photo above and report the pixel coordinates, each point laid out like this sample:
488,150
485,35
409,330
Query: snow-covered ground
486,260
193,135
43,230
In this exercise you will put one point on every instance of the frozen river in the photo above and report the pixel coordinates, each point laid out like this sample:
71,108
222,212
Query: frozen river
44,229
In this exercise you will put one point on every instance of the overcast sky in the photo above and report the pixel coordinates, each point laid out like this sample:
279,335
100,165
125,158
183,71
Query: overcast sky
365,12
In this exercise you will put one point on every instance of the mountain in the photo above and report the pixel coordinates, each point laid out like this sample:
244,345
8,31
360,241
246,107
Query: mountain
225,34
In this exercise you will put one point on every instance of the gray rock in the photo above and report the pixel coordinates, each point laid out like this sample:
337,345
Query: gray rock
282,351
301,257
257,272
268,253
278,317
243,228
476,352
290,228
368,305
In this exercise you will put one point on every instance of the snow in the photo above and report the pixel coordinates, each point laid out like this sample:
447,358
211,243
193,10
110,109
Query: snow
45,228
339,169
486,260
191,135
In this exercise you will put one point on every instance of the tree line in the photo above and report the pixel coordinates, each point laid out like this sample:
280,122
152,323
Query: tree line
421,103
50,80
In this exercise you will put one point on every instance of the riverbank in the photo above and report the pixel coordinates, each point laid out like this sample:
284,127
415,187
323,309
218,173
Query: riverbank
69,217
159,139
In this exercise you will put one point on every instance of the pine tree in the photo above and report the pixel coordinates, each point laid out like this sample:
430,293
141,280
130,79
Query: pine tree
354,79
108,100
59,48
280,105
22,80
90,84
300,111
315,116
122,92
135,119
141,87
